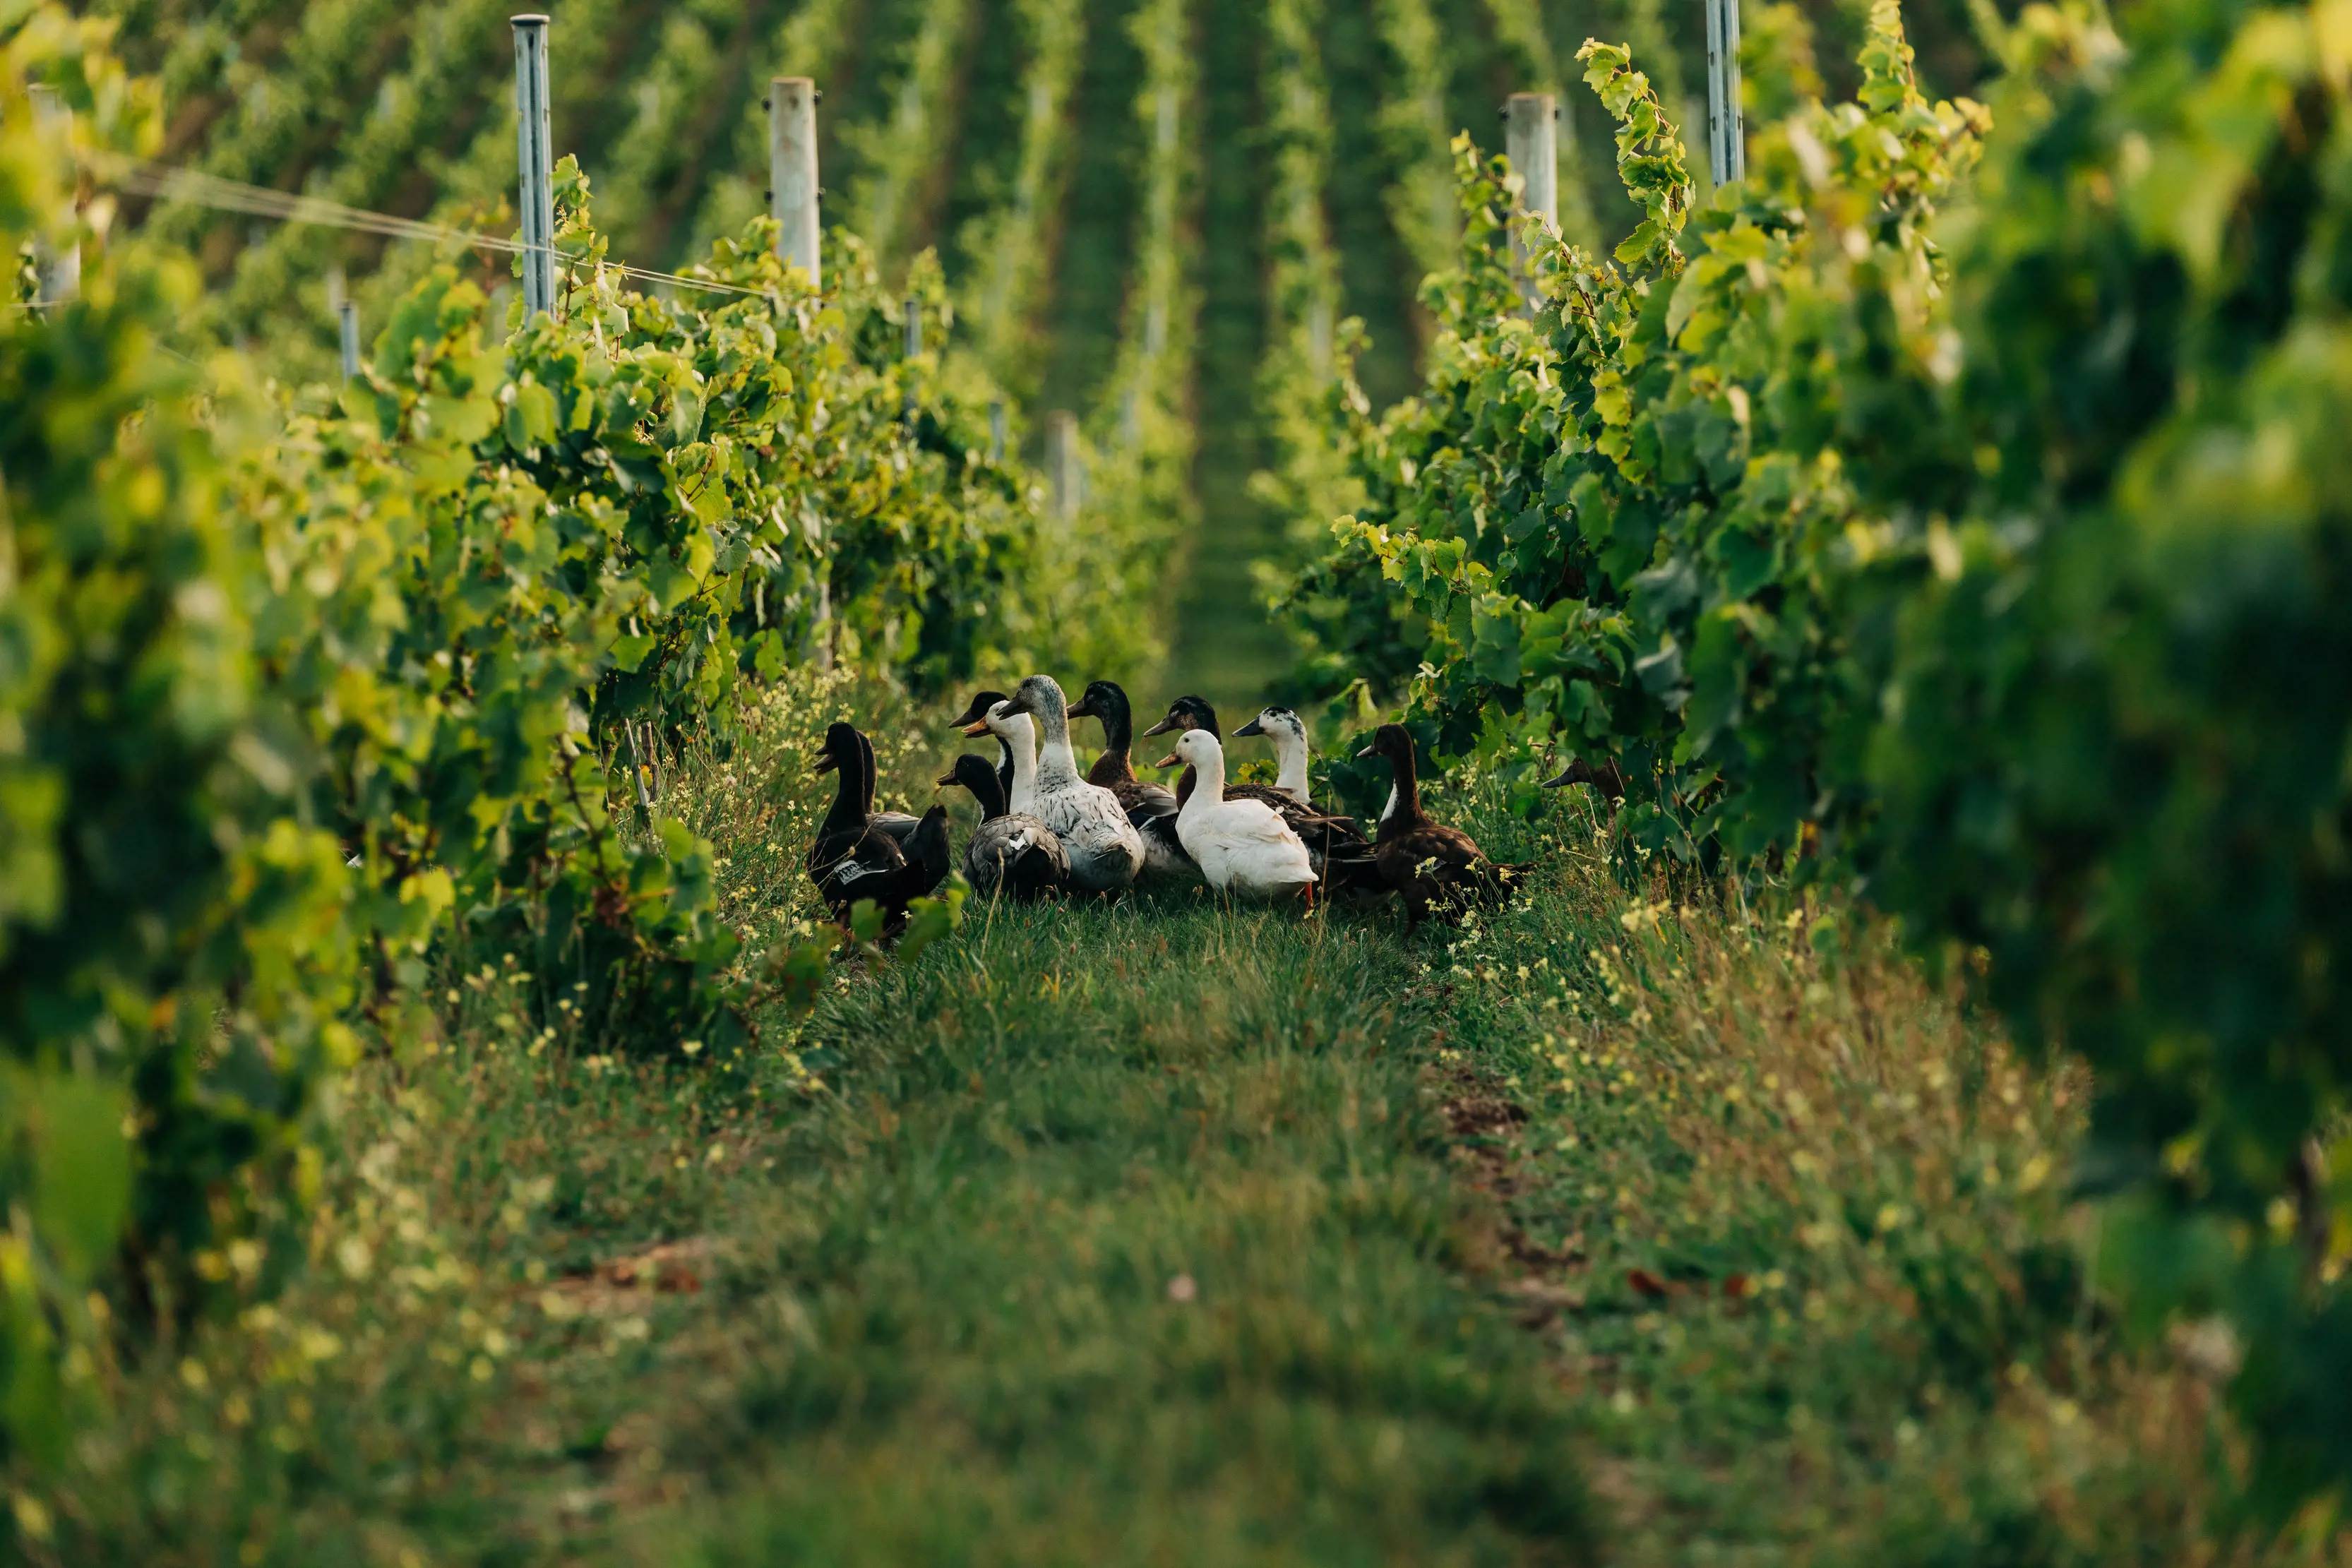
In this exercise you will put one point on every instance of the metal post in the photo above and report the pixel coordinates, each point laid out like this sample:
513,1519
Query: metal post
534,152
792,173
349,315
1726,140
996,430
1131,418
1062,462
61,271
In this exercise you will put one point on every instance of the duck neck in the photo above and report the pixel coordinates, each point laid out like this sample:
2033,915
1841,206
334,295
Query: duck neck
1208,789
1403,809
1186,782
1020,741
1116,763
1057,766
989,791
1290,764
1003,769
852,790
870,775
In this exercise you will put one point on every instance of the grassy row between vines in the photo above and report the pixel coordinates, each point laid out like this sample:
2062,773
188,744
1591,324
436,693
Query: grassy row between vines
1152,1231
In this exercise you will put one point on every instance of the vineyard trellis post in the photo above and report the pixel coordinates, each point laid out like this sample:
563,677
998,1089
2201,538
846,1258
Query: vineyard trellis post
1726,140
792,173
534,136
996,430
60,272
1532,142
910,344
1062,462
347,324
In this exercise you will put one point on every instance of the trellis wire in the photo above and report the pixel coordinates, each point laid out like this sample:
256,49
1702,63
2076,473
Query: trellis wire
167,182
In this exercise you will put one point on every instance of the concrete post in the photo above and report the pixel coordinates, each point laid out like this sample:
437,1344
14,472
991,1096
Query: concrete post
792,173
1534,147
348,322
997,430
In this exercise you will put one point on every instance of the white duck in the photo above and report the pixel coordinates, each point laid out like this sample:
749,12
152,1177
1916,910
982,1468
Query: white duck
1018,737
1106,852
1282,727
1243,846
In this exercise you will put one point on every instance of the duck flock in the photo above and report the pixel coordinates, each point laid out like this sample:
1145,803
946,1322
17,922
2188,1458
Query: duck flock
1047,831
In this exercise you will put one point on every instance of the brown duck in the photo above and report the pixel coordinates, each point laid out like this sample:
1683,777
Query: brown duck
1434,868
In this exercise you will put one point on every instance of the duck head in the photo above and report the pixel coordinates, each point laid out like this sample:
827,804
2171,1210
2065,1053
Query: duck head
1394,742
974,720
1040,696
1199,748
1275,723
1106,701
974,774
1187,713
843,744
970,770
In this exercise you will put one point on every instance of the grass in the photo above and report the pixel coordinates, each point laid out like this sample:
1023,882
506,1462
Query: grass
1145,1232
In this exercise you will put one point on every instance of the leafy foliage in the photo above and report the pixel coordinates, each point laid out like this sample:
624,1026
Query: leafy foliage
1987,558
299,698
173,952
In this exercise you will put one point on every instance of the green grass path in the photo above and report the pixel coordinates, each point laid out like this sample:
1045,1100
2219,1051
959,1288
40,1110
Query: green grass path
1153,1232
1127,1236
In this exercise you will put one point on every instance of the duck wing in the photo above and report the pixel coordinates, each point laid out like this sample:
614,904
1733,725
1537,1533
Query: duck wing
1263,794
1018,855
1143,801
862,871
898,825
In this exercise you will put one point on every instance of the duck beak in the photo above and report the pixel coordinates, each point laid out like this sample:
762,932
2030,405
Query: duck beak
1162,727
1082,708
825,763
1367,751
1252,727
1168,761
1016,705
1567,776
977,727
945,779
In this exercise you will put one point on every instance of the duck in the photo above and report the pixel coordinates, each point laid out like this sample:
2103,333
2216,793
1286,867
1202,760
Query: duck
1106,852
852,859
1009,853
1195,713
974,714
1343,857
1151,808
1016,743
1607,780
1243,846
1433,867
1287,734
899,825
